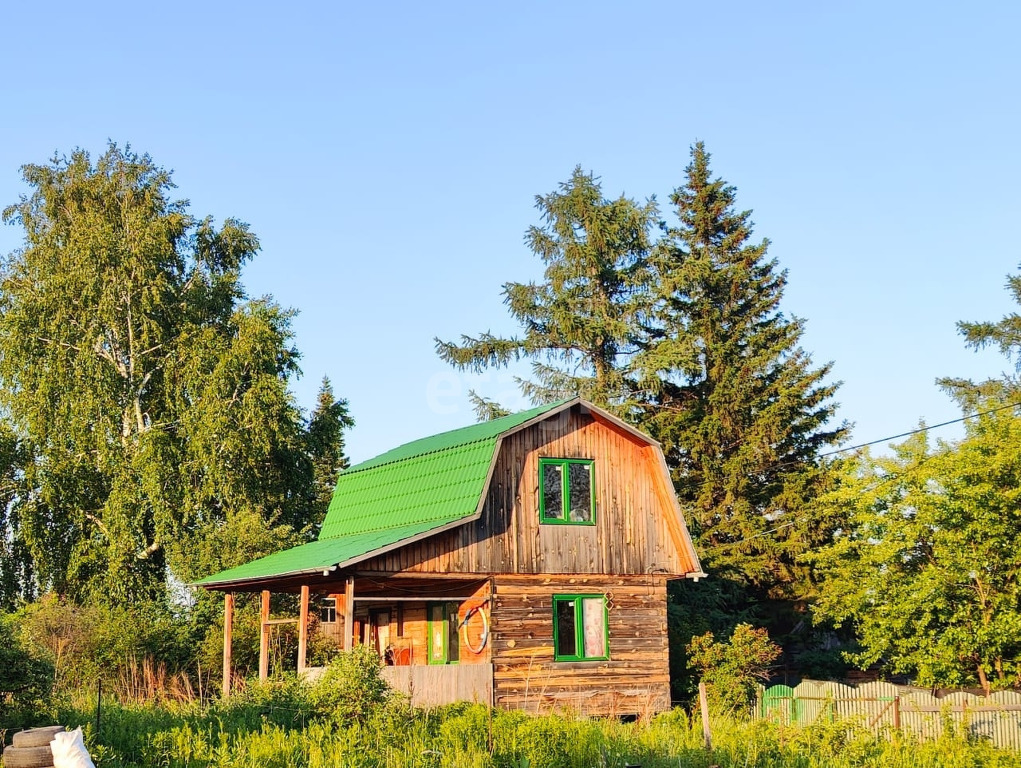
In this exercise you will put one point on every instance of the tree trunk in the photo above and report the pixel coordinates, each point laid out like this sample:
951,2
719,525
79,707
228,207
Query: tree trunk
982,679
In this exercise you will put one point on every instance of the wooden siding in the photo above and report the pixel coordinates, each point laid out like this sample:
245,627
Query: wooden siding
635,679
637,530
433,686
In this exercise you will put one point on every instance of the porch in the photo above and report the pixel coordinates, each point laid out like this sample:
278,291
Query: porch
431,633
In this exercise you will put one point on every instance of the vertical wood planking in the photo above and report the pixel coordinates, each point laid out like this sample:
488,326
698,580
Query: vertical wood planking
637,529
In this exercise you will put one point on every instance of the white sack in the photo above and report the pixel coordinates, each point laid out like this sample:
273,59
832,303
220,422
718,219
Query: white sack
69,750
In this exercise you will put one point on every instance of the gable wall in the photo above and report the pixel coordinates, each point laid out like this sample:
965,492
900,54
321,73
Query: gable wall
636,530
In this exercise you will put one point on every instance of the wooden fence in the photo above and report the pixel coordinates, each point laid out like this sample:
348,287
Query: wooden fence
883,706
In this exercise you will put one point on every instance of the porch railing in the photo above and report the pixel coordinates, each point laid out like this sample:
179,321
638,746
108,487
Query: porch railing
433,685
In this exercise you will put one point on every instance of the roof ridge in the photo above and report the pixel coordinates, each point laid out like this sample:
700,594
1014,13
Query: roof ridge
485,429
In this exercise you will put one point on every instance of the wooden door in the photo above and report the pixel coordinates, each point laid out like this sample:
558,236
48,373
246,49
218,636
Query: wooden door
379,624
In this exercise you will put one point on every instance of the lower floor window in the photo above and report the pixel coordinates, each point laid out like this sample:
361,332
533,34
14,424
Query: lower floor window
580,628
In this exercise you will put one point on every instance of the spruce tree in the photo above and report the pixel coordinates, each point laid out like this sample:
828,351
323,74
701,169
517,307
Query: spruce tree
325,438
579,324
736,402
1005,335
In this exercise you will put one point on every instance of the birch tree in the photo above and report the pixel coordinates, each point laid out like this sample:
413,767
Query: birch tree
927,570
149,392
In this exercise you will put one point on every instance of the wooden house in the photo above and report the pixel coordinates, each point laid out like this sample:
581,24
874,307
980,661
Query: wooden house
521,562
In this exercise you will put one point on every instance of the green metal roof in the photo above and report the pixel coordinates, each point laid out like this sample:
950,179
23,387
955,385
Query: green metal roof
313,557
421,486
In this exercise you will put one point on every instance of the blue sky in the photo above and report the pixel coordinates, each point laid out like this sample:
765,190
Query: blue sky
388,156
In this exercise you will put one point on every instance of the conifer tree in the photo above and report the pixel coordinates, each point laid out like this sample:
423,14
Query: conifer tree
1005,335
579,324
325,439
737,404
485,408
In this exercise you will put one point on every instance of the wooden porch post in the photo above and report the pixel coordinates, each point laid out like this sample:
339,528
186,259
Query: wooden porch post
349,613
228,636
303,629
264,637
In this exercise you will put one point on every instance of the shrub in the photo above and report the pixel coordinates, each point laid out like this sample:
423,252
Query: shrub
732,670
25,681
352,686
129,648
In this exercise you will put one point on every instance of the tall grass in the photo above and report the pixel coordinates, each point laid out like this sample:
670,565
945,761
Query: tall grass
276,726
272,728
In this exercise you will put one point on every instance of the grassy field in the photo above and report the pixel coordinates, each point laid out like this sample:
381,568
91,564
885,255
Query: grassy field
275,726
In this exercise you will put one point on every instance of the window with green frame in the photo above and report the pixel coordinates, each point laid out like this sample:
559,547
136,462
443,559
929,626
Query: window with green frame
444,647
566,491
580,628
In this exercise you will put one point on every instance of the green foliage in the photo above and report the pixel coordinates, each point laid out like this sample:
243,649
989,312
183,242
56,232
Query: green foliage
823,663
25,679
256,734
732,670
84,644
352,687
486,409
17,572
711,605
736,403
579,324
148,416
1005,335
927,569
245,632
685,338
325,440
283,700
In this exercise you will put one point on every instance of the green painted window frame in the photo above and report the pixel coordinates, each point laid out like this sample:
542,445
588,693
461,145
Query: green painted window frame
448,609
579,628
565,493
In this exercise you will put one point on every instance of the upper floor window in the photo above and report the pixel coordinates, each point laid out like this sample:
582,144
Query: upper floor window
566,491
580,628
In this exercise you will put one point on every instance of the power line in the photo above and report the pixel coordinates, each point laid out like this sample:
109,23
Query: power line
887,479
920,430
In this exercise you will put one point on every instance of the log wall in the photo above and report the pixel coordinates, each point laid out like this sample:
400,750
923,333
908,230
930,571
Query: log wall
635,680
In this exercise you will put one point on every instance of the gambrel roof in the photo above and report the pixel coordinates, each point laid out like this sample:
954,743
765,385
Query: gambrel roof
413,491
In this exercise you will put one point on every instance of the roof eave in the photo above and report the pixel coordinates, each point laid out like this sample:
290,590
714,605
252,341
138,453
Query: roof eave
410,539
326,570
248,580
